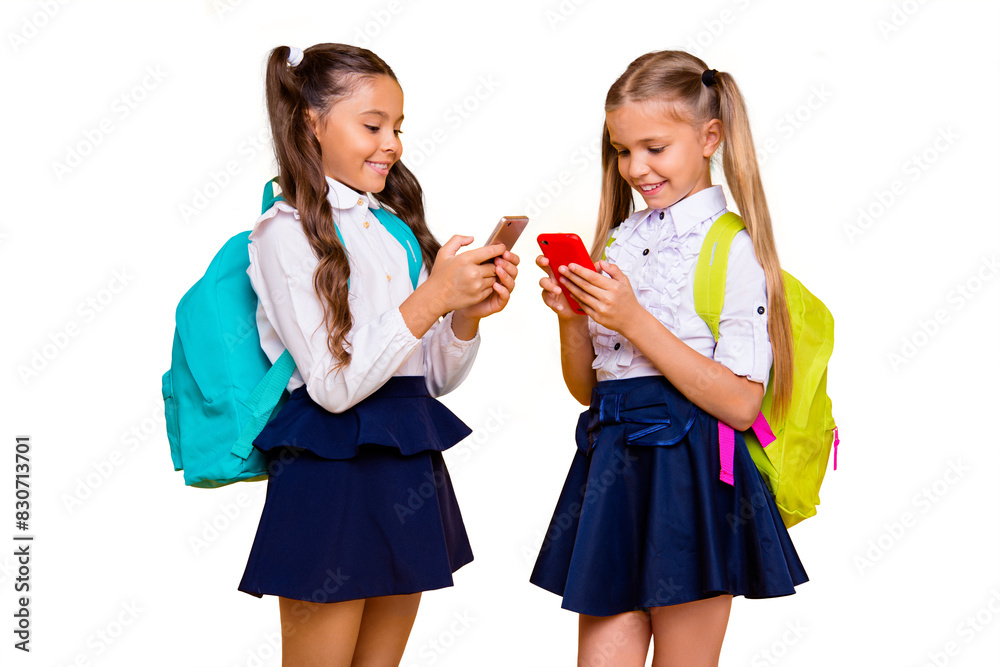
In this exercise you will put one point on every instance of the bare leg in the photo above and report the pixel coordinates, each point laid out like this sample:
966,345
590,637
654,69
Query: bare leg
315,635
690,634
385,627
614,641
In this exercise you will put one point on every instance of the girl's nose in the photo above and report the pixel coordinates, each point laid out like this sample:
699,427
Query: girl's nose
637,168
393,145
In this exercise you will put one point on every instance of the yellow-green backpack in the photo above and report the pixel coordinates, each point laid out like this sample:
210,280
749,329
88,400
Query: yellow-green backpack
792,453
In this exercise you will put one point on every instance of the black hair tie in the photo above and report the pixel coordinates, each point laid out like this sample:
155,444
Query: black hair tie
708,77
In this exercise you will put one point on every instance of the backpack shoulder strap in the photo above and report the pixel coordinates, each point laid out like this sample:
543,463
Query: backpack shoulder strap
611,239
710,272
402,233
262,402
272,194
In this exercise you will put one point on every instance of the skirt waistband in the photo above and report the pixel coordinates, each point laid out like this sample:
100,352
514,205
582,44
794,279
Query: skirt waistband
644,410
400,414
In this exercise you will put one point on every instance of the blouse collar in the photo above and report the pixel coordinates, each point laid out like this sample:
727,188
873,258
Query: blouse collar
343,198
697,208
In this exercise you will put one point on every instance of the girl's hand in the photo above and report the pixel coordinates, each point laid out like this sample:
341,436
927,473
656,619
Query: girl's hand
505,267
608,300
462,280
552,293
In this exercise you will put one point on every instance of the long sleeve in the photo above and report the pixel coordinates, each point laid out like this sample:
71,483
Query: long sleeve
447,358
290,314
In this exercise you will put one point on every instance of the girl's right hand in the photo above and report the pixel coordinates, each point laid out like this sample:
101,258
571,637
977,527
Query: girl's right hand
461,280
552,293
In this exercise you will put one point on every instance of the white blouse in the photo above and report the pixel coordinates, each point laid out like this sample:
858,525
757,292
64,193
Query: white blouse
290,314
658,251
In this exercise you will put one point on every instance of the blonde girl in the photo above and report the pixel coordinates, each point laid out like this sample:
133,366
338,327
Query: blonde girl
646,540
341,543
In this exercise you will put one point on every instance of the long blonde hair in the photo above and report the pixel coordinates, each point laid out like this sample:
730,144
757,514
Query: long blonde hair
675,78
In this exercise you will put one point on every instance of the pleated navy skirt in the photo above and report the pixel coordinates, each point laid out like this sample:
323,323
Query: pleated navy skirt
359,504
643,519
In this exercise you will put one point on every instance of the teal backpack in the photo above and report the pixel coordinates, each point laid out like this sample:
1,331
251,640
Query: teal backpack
792,453
221,389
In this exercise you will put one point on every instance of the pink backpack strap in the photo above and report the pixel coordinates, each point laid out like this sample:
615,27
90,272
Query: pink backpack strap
727,446
763,430
836,443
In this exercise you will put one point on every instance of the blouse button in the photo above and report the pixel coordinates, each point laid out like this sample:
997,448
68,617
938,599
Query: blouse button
388,277
618,346
366,224
760,310
646,251
361,202
661,215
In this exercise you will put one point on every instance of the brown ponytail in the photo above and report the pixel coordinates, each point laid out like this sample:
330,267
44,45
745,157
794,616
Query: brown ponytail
675,77
327,74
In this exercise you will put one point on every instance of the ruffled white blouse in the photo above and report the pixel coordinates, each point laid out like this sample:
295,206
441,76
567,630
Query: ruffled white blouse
658,251
290,314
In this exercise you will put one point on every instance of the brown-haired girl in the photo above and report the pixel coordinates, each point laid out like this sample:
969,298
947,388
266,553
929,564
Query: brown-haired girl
646,540
341,541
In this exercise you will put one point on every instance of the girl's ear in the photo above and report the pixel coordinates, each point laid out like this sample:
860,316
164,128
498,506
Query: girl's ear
712,136
313,119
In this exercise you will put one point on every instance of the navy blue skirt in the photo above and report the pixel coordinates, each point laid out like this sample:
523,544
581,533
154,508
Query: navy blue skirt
643,519
359,504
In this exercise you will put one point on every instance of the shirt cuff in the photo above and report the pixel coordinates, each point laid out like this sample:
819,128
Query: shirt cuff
452,343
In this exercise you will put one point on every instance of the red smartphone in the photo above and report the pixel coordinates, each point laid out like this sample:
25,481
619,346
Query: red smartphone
563,249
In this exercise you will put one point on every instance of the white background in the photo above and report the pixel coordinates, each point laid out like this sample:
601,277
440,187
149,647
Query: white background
96,250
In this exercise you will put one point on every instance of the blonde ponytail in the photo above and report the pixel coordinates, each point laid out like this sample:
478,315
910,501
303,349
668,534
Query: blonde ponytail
675,77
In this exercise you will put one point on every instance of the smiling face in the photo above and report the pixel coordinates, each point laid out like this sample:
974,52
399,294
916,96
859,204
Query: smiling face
665,159
359,135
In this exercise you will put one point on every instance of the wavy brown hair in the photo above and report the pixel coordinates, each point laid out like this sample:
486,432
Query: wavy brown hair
327,74
673,80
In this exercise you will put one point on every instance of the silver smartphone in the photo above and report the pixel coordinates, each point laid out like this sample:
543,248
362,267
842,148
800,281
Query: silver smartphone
507,231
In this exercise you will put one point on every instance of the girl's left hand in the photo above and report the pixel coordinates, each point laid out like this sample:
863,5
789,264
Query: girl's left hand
608,300
506,267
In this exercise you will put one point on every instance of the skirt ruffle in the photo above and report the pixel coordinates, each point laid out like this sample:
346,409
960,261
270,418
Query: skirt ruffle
400,414
359,504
